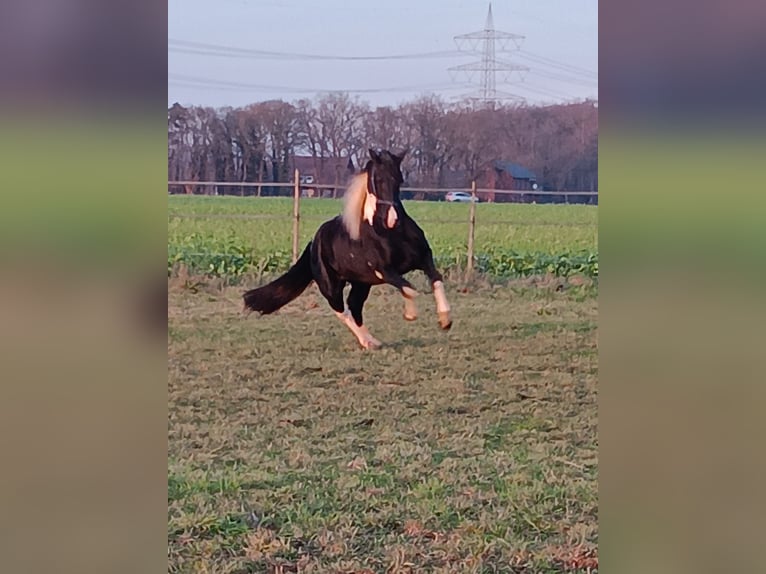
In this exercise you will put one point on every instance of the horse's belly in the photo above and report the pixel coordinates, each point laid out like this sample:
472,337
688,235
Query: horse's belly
359,267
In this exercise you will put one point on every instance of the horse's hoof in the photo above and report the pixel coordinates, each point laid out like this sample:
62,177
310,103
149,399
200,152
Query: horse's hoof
410,317
445,321
372,344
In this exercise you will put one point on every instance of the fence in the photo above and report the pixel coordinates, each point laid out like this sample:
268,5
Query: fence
298,192
272,188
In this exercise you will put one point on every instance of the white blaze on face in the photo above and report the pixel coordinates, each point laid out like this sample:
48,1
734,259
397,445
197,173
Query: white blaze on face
370,204
391,217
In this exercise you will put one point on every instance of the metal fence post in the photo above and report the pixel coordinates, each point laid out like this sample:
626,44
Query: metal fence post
471,229
296,214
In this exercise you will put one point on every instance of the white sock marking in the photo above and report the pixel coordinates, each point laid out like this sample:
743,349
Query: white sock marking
442,306
362,334
410,309
409,292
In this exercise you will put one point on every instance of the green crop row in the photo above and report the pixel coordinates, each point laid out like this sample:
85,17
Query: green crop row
222,257
230,236
229,257
509,263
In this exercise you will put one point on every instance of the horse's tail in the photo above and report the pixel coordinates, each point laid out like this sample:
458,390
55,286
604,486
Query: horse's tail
282,290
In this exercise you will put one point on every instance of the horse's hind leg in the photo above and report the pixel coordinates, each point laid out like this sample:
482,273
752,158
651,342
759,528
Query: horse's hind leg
333,292
356,298
442,305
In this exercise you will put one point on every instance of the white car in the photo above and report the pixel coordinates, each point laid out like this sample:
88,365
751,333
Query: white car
459,196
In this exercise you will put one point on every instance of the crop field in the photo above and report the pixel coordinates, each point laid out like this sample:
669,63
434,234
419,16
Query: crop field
292,450
255,234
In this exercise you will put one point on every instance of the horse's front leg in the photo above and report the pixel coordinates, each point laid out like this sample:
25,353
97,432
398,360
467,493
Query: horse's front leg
407,290
393,278
405,287
442,305
410,309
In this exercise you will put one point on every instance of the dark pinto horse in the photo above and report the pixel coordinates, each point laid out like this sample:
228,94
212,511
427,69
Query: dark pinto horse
373,242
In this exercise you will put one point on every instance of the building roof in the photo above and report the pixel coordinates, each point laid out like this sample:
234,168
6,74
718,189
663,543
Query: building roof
517,171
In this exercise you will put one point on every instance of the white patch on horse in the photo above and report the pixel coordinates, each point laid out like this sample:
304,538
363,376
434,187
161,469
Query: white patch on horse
410,309
442,305
354,201
362,334
379,275
391,218
409,292
370,205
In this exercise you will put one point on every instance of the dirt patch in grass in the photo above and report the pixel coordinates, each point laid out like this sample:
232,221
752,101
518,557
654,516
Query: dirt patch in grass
475,450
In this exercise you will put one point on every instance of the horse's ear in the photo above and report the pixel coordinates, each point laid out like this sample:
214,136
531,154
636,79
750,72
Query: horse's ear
400,156
374,155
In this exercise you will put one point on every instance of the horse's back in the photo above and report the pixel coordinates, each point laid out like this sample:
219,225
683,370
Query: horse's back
403,249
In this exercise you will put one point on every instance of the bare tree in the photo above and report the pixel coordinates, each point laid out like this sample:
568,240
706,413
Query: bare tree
252,141
387,128
339,119
179,143
281,127
431,146
258,142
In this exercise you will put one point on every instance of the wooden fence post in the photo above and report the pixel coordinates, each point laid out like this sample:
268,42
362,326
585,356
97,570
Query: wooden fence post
296,214
471,230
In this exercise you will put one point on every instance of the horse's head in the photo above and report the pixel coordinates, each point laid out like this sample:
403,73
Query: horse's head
384,177
373,195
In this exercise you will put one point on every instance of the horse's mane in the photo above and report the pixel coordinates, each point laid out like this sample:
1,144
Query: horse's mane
353,204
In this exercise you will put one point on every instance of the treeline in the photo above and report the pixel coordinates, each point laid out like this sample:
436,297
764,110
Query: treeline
258,142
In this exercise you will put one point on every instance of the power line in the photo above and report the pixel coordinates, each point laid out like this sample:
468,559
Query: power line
557,64
224,85
544,91
567,79
490,39
203,49
216,50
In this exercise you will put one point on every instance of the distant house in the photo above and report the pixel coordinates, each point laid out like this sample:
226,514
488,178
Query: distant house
505,175
517,176
496,174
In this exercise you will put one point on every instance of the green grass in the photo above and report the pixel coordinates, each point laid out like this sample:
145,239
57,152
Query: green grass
475,450
510,239
522,227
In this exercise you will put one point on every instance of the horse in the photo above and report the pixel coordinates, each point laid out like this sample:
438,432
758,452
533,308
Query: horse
372,242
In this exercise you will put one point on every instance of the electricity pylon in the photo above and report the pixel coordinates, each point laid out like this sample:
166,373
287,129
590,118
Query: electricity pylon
492,41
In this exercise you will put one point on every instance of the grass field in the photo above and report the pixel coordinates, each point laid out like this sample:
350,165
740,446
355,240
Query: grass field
523,228
292,450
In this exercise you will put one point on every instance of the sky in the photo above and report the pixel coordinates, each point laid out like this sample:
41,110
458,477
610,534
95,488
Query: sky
236,52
